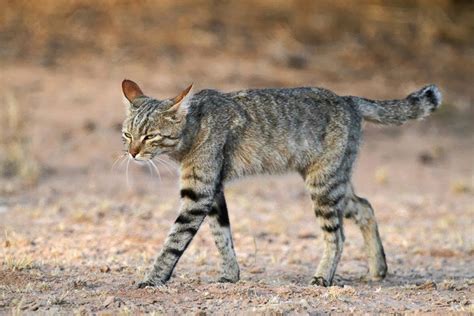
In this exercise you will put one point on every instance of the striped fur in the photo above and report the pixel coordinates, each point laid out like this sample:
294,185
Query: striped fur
217,137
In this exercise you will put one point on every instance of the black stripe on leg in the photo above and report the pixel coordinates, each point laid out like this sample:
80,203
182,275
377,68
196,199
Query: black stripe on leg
223,219
222,216
330,229
196,212
349,214
191,230
325,215
178,233
174,251
183,219
190,194
214,211
363,201
325,200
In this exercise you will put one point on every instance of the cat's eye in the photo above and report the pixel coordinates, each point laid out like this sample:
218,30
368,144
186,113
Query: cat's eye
127,135
150,136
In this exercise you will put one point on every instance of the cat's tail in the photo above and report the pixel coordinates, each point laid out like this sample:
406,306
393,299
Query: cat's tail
416,105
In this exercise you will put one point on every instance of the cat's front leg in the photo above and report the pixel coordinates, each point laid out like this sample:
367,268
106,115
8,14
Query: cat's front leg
194,209
198,190
220,228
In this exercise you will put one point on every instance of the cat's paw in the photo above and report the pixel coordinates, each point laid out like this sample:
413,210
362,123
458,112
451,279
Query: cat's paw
319,281
377,271
375,277
150,283
227,279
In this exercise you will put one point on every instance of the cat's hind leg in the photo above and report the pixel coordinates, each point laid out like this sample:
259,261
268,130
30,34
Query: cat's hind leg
329,199
360,210
220,226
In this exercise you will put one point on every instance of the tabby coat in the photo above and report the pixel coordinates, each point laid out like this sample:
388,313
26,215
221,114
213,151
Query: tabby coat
217,137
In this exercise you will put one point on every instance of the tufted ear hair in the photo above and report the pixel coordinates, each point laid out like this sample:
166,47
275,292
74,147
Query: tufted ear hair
181,101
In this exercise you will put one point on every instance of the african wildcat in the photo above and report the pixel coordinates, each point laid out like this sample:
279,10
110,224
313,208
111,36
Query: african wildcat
219,136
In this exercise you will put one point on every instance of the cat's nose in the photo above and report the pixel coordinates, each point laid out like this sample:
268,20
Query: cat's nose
134,151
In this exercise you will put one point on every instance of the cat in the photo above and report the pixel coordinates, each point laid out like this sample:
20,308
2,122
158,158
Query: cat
217,137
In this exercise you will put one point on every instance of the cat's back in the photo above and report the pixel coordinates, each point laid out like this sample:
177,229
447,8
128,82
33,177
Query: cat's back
280,97
291,106
267,97
285,109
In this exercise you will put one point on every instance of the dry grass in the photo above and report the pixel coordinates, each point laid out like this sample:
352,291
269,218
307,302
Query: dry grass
460,187
59,299
16,158
18,264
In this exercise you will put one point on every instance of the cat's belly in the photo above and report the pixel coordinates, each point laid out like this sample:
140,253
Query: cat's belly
250,159
242,165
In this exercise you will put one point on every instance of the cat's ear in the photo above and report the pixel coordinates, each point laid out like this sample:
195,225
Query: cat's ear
131,91
181,102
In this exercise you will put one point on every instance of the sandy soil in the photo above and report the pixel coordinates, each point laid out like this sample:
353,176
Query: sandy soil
80,239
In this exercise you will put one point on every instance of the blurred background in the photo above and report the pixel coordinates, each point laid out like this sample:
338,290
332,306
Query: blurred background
63,60
61,65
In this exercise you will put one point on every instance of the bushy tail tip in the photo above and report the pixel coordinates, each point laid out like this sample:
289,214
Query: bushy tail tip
430,97
416,105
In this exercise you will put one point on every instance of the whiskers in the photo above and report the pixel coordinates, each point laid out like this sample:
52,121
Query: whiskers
126,171
119,160
152,165
170,166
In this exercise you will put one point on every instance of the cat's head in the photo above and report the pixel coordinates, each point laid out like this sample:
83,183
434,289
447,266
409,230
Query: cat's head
152,126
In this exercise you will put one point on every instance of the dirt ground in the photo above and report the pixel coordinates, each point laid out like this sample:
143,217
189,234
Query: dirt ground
79,239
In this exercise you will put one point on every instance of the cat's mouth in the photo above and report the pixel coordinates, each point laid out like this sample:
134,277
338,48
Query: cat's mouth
147,157
140,159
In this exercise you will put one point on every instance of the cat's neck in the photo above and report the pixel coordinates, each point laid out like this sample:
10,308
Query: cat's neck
189,133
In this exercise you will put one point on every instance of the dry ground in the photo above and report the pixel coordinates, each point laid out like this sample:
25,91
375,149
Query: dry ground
79,239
